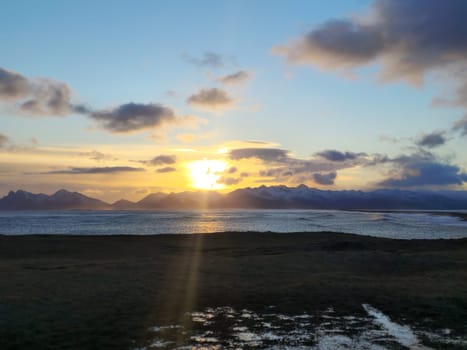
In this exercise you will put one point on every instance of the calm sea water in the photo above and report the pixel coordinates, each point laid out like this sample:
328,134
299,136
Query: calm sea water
380,224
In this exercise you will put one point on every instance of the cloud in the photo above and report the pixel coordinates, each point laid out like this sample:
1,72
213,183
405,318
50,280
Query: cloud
167,169
265,154
321,167
97,156
48,97
231,170
209,59
134,117
435,139
96,170
337,156
4,140
461,126
426,174
12,85
39,96
407,37
422,169
236,78
161,160
325,179
192,137
211,99
228,180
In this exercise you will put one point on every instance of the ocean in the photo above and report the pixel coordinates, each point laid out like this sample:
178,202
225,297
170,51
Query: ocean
398,225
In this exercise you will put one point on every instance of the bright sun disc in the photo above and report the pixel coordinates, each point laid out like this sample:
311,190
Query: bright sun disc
205,173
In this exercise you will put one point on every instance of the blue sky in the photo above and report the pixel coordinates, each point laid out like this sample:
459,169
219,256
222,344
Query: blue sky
110,53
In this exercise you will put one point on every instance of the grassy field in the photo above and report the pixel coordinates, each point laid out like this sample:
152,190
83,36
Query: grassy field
75,292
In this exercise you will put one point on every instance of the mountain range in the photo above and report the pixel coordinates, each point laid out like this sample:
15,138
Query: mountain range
264,197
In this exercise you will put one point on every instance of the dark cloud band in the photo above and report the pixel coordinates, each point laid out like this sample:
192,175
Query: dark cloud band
96,170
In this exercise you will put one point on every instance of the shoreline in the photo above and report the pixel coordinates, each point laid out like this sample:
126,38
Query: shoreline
62,291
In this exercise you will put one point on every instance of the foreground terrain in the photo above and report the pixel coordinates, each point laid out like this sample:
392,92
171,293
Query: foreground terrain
77,292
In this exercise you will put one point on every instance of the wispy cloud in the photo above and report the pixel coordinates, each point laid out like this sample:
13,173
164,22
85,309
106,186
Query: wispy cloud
337,156
266,154
97,156
236,78
96,170
208,59
229,181
167,169
461,126
4,140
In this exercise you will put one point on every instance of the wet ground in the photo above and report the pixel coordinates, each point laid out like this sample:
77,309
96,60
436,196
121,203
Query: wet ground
232,290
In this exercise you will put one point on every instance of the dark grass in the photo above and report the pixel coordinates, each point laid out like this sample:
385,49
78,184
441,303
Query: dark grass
95,292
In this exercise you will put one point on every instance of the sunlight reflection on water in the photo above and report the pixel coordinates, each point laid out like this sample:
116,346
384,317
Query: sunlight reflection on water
402,225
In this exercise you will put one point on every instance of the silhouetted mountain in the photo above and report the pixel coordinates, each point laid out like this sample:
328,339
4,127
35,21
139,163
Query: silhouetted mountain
272,197
124,204
22,200
182,200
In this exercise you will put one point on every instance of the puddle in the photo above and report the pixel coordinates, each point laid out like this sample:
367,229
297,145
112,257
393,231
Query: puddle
227,328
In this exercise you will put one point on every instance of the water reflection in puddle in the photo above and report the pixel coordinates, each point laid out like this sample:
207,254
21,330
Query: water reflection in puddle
227,328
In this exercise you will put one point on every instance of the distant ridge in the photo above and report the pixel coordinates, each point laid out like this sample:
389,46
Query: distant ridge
60,200
264,197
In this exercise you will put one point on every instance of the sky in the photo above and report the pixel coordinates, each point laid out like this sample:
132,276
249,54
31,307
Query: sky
119,99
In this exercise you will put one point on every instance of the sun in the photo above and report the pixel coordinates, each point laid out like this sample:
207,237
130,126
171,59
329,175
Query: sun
205,173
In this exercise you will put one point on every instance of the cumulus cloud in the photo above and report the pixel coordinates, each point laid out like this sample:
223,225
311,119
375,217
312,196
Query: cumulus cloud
48,97
131,117
96,170
211,99
167,169
208,59
422,169
435,139
266,154
325,179
39,96
407,37
426,174
236,78
337,156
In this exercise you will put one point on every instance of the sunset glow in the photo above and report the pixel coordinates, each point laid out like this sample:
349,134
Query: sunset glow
309,100
205,174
